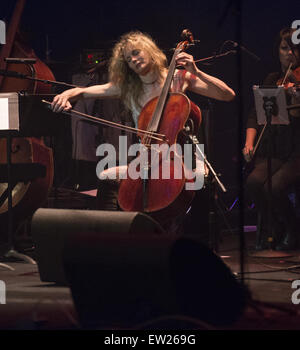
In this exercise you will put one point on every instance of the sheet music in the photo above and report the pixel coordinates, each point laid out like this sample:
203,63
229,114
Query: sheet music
4,115
278,92
9,111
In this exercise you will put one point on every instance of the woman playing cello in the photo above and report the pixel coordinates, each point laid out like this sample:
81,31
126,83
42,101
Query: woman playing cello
138,70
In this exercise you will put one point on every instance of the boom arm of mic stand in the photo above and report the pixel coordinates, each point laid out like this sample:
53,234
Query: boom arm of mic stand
216,56
13,74
51,82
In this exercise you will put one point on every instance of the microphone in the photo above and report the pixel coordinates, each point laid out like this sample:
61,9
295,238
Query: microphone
246,50
20,60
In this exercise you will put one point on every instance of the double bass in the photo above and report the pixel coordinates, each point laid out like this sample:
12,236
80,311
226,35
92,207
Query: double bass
26,196
167,115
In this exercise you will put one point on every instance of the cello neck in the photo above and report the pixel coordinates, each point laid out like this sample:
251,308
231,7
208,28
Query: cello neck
164,94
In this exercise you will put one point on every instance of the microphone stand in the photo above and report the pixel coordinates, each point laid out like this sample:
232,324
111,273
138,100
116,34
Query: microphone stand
270,107
11,252
196,143
212,231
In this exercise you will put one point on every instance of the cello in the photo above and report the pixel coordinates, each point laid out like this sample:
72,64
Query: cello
168,115
26,196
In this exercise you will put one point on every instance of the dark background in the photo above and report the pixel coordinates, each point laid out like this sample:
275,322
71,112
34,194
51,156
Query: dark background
60,31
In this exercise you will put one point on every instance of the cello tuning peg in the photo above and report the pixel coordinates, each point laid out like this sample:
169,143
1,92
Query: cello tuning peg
186,34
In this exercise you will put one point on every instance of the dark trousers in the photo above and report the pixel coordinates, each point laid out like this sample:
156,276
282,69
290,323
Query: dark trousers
193,223
284,175
107,195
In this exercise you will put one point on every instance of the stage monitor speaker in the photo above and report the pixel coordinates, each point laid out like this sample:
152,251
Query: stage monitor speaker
52,228
125,282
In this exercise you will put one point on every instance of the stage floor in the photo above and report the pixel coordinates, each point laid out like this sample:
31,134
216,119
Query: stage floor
32,304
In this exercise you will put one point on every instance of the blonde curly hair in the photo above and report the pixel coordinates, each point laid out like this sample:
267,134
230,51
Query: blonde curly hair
125,78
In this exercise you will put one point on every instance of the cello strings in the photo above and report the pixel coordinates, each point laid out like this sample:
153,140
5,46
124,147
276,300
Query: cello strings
156,117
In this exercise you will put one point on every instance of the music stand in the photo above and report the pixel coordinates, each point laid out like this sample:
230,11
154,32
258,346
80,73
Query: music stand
271,109
270,104
9,127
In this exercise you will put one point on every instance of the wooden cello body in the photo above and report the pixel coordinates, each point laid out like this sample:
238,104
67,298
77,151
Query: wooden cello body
166,197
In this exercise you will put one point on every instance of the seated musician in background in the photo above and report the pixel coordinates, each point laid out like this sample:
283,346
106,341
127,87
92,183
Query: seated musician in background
285,156
137,73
